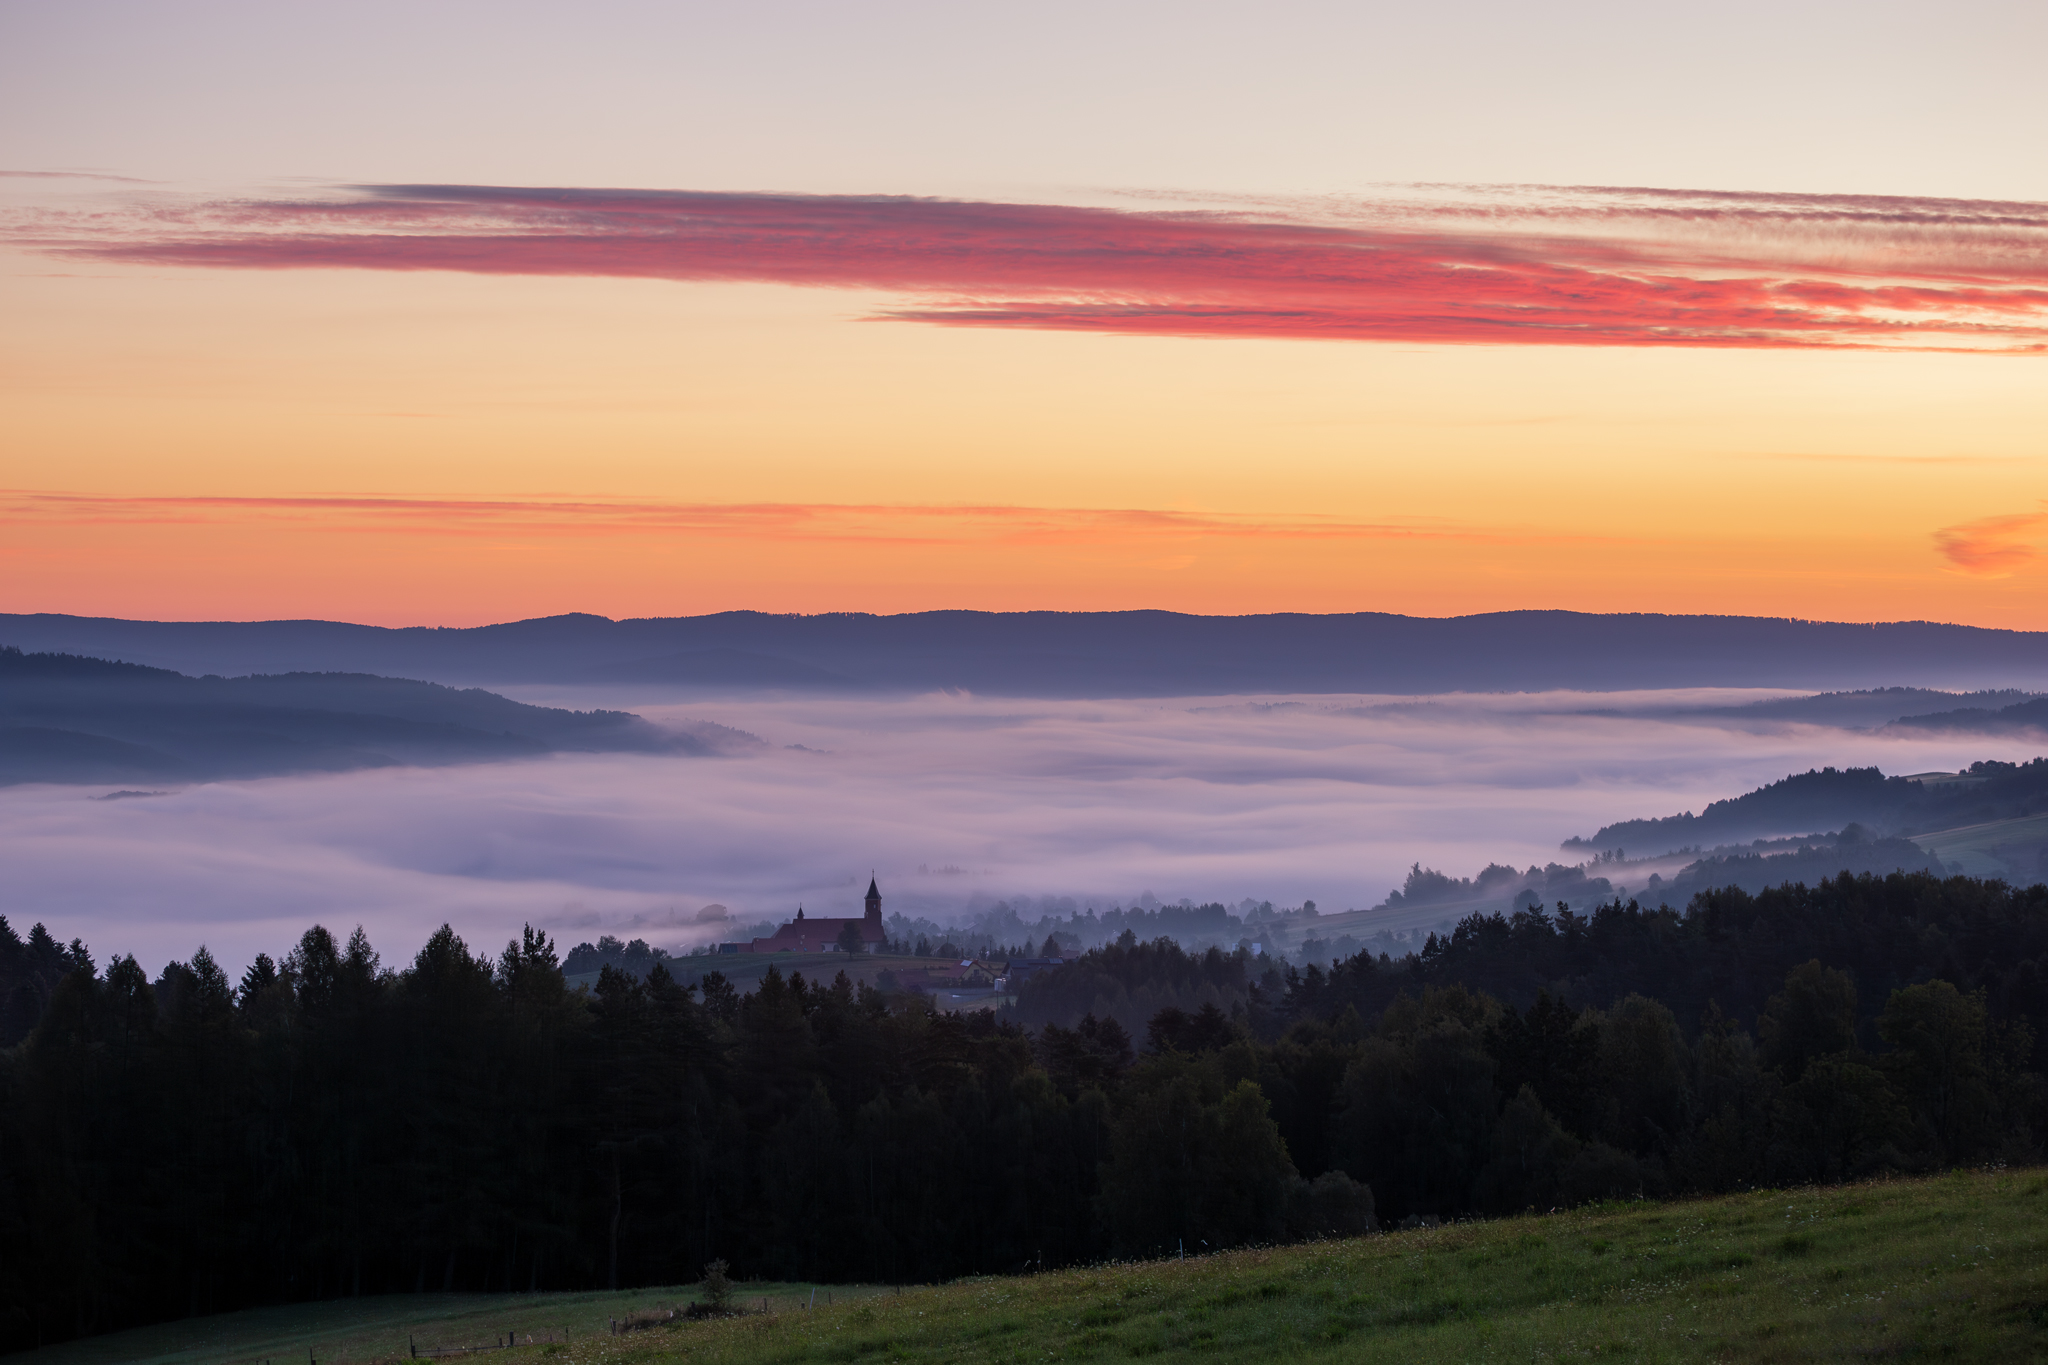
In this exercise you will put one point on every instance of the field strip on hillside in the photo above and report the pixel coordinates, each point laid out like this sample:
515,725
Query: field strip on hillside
1974,846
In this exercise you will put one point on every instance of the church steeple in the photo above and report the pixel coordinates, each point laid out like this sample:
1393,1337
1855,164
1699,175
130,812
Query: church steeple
874,903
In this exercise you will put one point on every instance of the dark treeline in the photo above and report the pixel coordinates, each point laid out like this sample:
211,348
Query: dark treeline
1130,982
635,959
1804,861
327,1126
1732,949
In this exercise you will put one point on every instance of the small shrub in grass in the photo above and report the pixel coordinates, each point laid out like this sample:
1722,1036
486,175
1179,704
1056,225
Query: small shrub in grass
717,1296
1332,1205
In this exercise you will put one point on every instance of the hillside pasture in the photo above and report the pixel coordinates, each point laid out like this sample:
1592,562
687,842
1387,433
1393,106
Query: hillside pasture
1950,1267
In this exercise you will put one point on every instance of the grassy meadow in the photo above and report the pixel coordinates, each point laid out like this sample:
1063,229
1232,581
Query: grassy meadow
1952,1267
2011,849
386,1326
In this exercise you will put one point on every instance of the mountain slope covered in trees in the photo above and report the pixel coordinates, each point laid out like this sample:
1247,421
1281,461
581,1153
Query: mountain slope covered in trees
1827,799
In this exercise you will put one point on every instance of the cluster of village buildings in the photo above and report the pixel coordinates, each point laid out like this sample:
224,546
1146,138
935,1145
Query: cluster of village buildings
965,977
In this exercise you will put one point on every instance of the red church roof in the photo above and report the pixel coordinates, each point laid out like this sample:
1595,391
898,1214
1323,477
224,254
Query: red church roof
815,936
821,935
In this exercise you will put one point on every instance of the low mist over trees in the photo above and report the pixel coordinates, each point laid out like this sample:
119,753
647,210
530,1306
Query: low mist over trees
330,1124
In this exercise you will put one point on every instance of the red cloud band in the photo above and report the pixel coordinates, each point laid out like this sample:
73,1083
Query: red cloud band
1584,267
1994,547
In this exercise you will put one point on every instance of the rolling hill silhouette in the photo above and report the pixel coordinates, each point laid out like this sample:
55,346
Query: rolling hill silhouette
1070,654
67,718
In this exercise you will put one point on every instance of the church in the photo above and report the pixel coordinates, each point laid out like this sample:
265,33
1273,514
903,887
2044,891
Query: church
821,935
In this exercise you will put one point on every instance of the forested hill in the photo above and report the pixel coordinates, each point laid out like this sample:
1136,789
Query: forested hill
1868,709
2022,716
328,1126
1827,799
1127,653
67,718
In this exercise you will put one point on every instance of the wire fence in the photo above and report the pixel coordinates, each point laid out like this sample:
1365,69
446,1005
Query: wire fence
613,1327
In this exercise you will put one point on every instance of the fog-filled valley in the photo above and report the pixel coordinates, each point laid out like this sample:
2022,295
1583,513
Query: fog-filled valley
1395,816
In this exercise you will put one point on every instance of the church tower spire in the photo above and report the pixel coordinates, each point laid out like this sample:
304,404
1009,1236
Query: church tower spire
874,916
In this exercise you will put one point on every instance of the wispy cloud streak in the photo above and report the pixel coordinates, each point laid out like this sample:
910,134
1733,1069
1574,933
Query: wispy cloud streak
1448,264
908,523
74,175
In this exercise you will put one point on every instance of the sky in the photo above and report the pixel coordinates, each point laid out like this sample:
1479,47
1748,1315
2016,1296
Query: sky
950,801
459,313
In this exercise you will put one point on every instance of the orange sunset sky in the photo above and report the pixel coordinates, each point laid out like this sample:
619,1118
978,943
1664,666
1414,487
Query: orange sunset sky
1154,313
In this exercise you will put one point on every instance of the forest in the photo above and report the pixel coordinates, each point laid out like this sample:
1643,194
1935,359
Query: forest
330,1124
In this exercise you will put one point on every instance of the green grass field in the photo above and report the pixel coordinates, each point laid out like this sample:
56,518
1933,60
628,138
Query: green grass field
2010,849
1954,1267
387,1326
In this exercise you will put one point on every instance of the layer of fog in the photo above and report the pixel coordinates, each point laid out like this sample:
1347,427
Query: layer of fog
952,801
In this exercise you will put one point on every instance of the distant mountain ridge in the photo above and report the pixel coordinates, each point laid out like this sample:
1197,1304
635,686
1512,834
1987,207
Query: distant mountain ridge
68,718
1124,653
